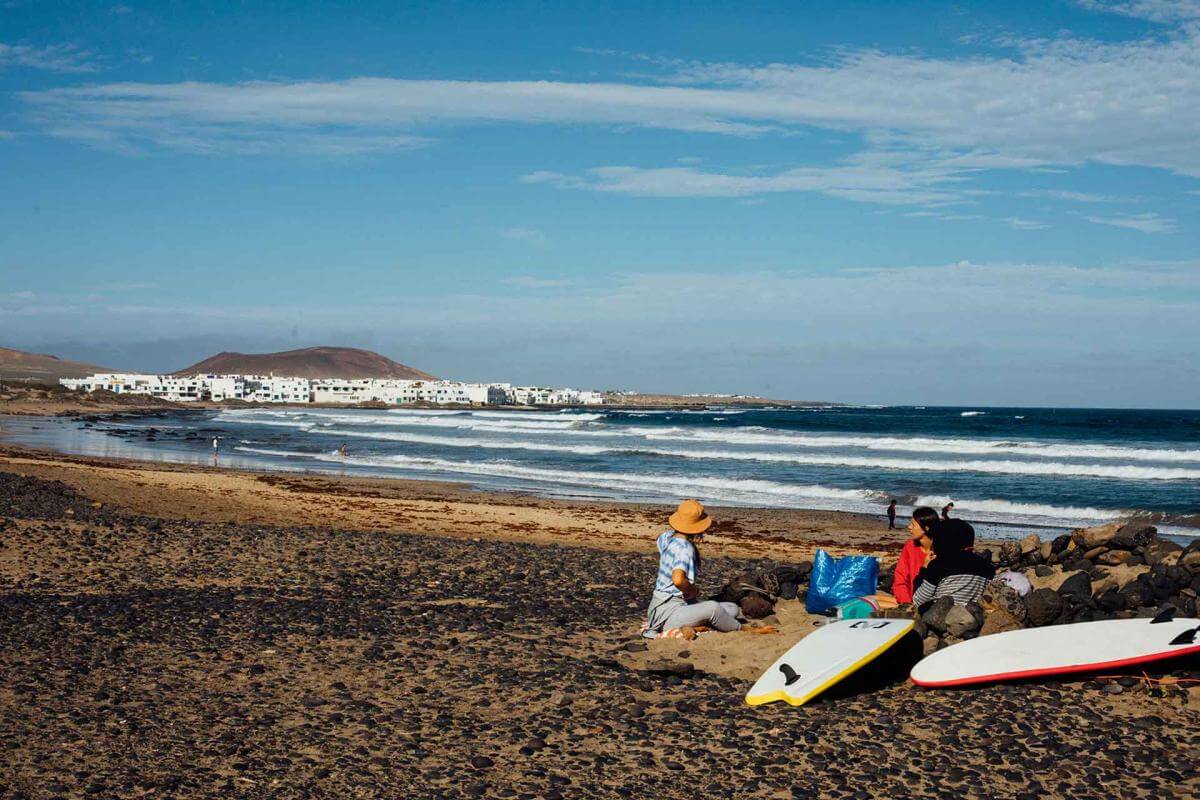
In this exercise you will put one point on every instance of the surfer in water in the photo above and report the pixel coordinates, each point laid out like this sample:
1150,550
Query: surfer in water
674,605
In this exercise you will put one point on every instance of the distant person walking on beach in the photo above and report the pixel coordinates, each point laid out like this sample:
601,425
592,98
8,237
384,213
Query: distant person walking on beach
674,604
946,509
891,512
216,444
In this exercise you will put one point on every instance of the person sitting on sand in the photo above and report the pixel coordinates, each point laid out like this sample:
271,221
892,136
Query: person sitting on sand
913,555
674,604
951,569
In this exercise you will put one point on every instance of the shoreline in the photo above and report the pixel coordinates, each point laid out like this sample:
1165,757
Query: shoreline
992,529
235,495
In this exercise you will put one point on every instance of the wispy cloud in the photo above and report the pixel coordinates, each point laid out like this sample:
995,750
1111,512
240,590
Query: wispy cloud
862,179
1146,223
1077,197
1021,224
1060,101
531,282
1165,11
52,58
532,236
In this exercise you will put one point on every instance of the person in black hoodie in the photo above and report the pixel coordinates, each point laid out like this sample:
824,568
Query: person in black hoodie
951,569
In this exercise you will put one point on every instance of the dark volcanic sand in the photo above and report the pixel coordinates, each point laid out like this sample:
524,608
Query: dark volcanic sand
142,658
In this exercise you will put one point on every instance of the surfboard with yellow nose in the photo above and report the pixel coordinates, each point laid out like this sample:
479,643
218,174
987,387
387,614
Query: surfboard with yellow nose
826,656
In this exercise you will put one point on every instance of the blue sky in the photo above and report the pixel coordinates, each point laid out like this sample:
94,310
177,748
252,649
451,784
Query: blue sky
953,203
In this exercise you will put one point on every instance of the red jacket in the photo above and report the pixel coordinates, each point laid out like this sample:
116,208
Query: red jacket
912,558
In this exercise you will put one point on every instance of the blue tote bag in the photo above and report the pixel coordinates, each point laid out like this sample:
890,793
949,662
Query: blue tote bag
836,580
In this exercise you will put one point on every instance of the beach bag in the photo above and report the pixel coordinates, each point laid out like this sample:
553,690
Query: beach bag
836,580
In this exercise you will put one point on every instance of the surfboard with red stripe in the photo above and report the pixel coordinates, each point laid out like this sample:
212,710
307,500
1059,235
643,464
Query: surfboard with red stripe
1058,650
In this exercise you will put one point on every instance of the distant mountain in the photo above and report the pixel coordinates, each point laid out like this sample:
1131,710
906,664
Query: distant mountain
17,365
310,362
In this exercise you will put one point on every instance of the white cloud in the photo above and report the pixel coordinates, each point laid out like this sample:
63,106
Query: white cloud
53,58
531,282
860,179
522,234
1020,224
1055,102
1078,197
1165,11
1146,223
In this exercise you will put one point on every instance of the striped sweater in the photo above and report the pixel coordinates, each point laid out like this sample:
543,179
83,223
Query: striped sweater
962,576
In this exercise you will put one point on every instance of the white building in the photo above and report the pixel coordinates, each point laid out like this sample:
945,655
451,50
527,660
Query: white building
226,387
270,389
340,391
185,388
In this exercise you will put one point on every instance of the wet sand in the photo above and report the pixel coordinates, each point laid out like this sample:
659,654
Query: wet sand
168,631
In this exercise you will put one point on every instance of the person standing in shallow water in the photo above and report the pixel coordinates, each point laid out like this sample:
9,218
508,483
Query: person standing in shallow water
946,509
891,514
675,604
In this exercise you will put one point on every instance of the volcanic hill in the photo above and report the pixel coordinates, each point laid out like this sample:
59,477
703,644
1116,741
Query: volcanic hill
309,362
17,365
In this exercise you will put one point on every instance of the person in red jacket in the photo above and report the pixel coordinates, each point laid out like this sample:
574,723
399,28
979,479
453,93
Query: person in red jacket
912,557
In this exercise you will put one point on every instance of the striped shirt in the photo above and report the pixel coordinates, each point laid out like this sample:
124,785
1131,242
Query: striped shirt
674,552
962,576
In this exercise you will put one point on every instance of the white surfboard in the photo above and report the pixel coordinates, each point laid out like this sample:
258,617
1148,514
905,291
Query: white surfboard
825,657
1058,650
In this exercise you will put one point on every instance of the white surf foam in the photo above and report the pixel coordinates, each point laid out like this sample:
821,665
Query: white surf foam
1004,509
922,444
728,489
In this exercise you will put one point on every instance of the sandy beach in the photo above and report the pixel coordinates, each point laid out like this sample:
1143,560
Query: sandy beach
179,631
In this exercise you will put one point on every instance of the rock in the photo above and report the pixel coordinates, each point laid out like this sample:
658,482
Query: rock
1190,560
1003,597
1113,558
1010,552
1133,534
1111,601
755,606
1095,552
1044,607
959,621
1030,544
1043,571
930,645
680,669
1103,585
1078,588
1099,536
1047,550
1157,551
999,621
1060,543
1073,564
935,617
481,762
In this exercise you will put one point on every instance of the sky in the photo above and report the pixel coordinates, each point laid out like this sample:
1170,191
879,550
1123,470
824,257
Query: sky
895,203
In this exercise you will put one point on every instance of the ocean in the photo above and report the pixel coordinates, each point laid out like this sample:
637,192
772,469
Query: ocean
1045,468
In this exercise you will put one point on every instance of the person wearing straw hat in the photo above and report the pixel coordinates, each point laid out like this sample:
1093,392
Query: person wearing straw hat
674,604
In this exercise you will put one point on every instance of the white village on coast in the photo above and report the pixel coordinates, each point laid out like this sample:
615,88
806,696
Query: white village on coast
336,391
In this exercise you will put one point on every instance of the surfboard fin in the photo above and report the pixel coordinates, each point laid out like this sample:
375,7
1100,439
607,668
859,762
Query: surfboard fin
790,675
1187,637
1166,615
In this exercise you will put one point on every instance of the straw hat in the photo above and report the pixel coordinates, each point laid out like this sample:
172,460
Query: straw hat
690,518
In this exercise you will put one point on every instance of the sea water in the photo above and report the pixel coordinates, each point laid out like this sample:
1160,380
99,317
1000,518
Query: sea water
1053,468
